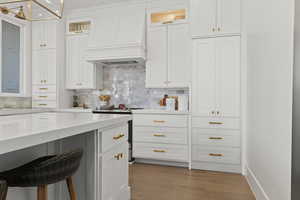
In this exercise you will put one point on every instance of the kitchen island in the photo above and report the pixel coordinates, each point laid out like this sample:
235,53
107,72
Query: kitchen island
102,174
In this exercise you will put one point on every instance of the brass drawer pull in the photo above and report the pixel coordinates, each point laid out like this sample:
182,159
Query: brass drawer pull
43,96
159,151
159,135
159,121
215,154
41,104
216,138
168,22
119,136
215,123
43,88
119,156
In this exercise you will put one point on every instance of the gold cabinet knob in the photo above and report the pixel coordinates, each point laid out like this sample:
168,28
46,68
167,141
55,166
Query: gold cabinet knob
213,29
215,154
119,156
219,29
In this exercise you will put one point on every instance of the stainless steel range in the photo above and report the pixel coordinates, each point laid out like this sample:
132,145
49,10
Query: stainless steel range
126,111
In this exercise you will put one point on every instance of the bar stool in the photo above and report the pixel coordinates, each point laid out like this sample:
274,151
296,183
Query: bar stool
42,172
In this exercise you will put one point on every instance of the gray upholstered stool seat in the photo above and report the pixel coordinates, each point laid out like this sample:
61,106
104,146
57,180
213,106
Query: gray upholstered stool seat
42,172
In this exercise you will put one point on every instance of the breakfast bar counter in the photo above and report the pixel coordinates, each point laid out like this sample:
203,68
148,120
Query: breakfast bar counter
101,137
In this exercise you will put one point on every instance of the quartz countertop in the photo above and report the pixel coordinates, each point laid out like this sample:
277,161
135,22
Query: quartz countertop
153,111
22,131
16,111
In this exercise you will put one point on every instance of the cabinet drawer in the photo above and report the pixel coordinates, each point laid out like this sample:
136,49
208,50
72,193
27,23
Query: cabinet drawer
114,172
216,137
37,89
160,120
44,96
165,152
216,122
217,155
44,104
164,135
113,137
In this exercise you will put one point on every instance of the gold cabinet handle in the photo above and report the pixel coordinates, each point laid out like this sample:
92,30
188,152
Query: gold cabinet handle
119,136
215,154
216,138
159,135
43,96
215,123
159,151
219,29
42,104
213,29
43,88
159,121
168,22
119,156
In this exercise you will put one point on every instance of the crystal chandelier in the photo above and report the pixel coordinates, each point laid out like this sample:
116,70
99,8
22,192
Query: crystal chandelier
33,10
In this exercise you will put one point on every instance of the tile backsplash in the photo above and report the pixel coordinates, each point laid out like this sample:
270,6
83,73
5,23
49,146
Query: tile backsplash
126,85
15,102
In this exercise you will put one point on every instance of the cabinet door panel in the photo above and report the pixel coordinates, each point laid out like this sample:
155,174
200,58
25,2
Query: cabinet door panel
204,17
50,34
37,35
50,69
86,70
73,60
229,16
179,65
228,76
204,77
38,67
156,67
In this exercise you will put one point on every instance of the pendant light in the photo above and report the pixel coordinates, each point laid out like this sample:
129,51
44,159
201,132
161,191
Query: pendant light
33,10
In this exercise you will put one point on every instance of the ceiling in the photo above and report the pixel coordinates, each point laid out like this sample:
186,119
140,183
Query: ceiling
75,4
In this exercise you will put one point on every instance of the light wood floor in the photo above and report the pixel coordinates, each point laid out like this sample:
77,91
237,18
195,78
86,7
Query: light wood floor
151,182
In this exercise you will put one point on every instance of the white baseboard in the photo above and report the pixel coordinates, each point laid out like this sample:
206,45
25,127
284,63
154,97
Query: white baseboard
160,162
255,186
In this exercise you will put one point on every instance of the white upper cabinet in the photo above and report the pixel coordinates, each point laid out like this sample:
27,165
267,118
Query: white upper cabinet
179,56
216,77
215,17
44,35
80,73
114,26
44,67
168,63
157,62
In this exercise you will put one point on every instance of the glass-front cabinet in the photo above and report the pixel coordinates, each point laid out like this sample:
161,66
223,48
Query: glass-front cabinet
163,16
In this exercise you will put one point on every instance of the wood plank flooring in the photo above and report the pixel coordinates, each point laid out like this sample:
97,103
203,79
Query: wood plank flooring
151,182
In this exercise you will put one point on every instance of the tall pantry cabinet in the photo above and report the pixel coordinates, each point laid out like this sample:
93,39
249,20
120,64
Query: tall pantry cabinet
48,65
216,85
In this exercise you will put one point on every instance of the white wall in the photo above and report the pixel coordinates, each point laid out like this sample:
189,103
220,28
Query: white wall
269,36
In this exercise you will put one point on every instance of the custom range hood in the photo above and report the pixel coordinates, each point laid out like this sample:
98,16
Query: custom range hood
118,36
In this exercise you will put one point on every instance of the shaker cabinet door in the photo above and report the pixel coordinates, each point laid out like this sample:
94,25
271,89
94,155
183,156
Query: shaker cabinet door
229,17
203,17
204,77
179,56
228,76
157,62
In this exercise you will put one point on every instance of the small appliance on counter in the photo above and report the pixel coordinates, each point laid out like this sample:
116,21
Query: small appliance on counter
175,103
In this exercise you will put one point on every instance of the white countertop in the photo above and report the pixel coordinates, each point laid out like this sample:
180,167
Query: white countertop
16,111
152,111
22,131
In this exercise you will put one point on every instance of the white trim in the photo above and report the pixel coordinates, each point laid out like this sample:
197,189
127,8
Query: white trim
23,60
255,185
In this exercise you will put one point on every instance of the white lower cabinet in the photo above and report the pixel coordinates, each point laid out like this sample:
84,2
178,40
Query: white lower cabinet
216,144
112,164
160,137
